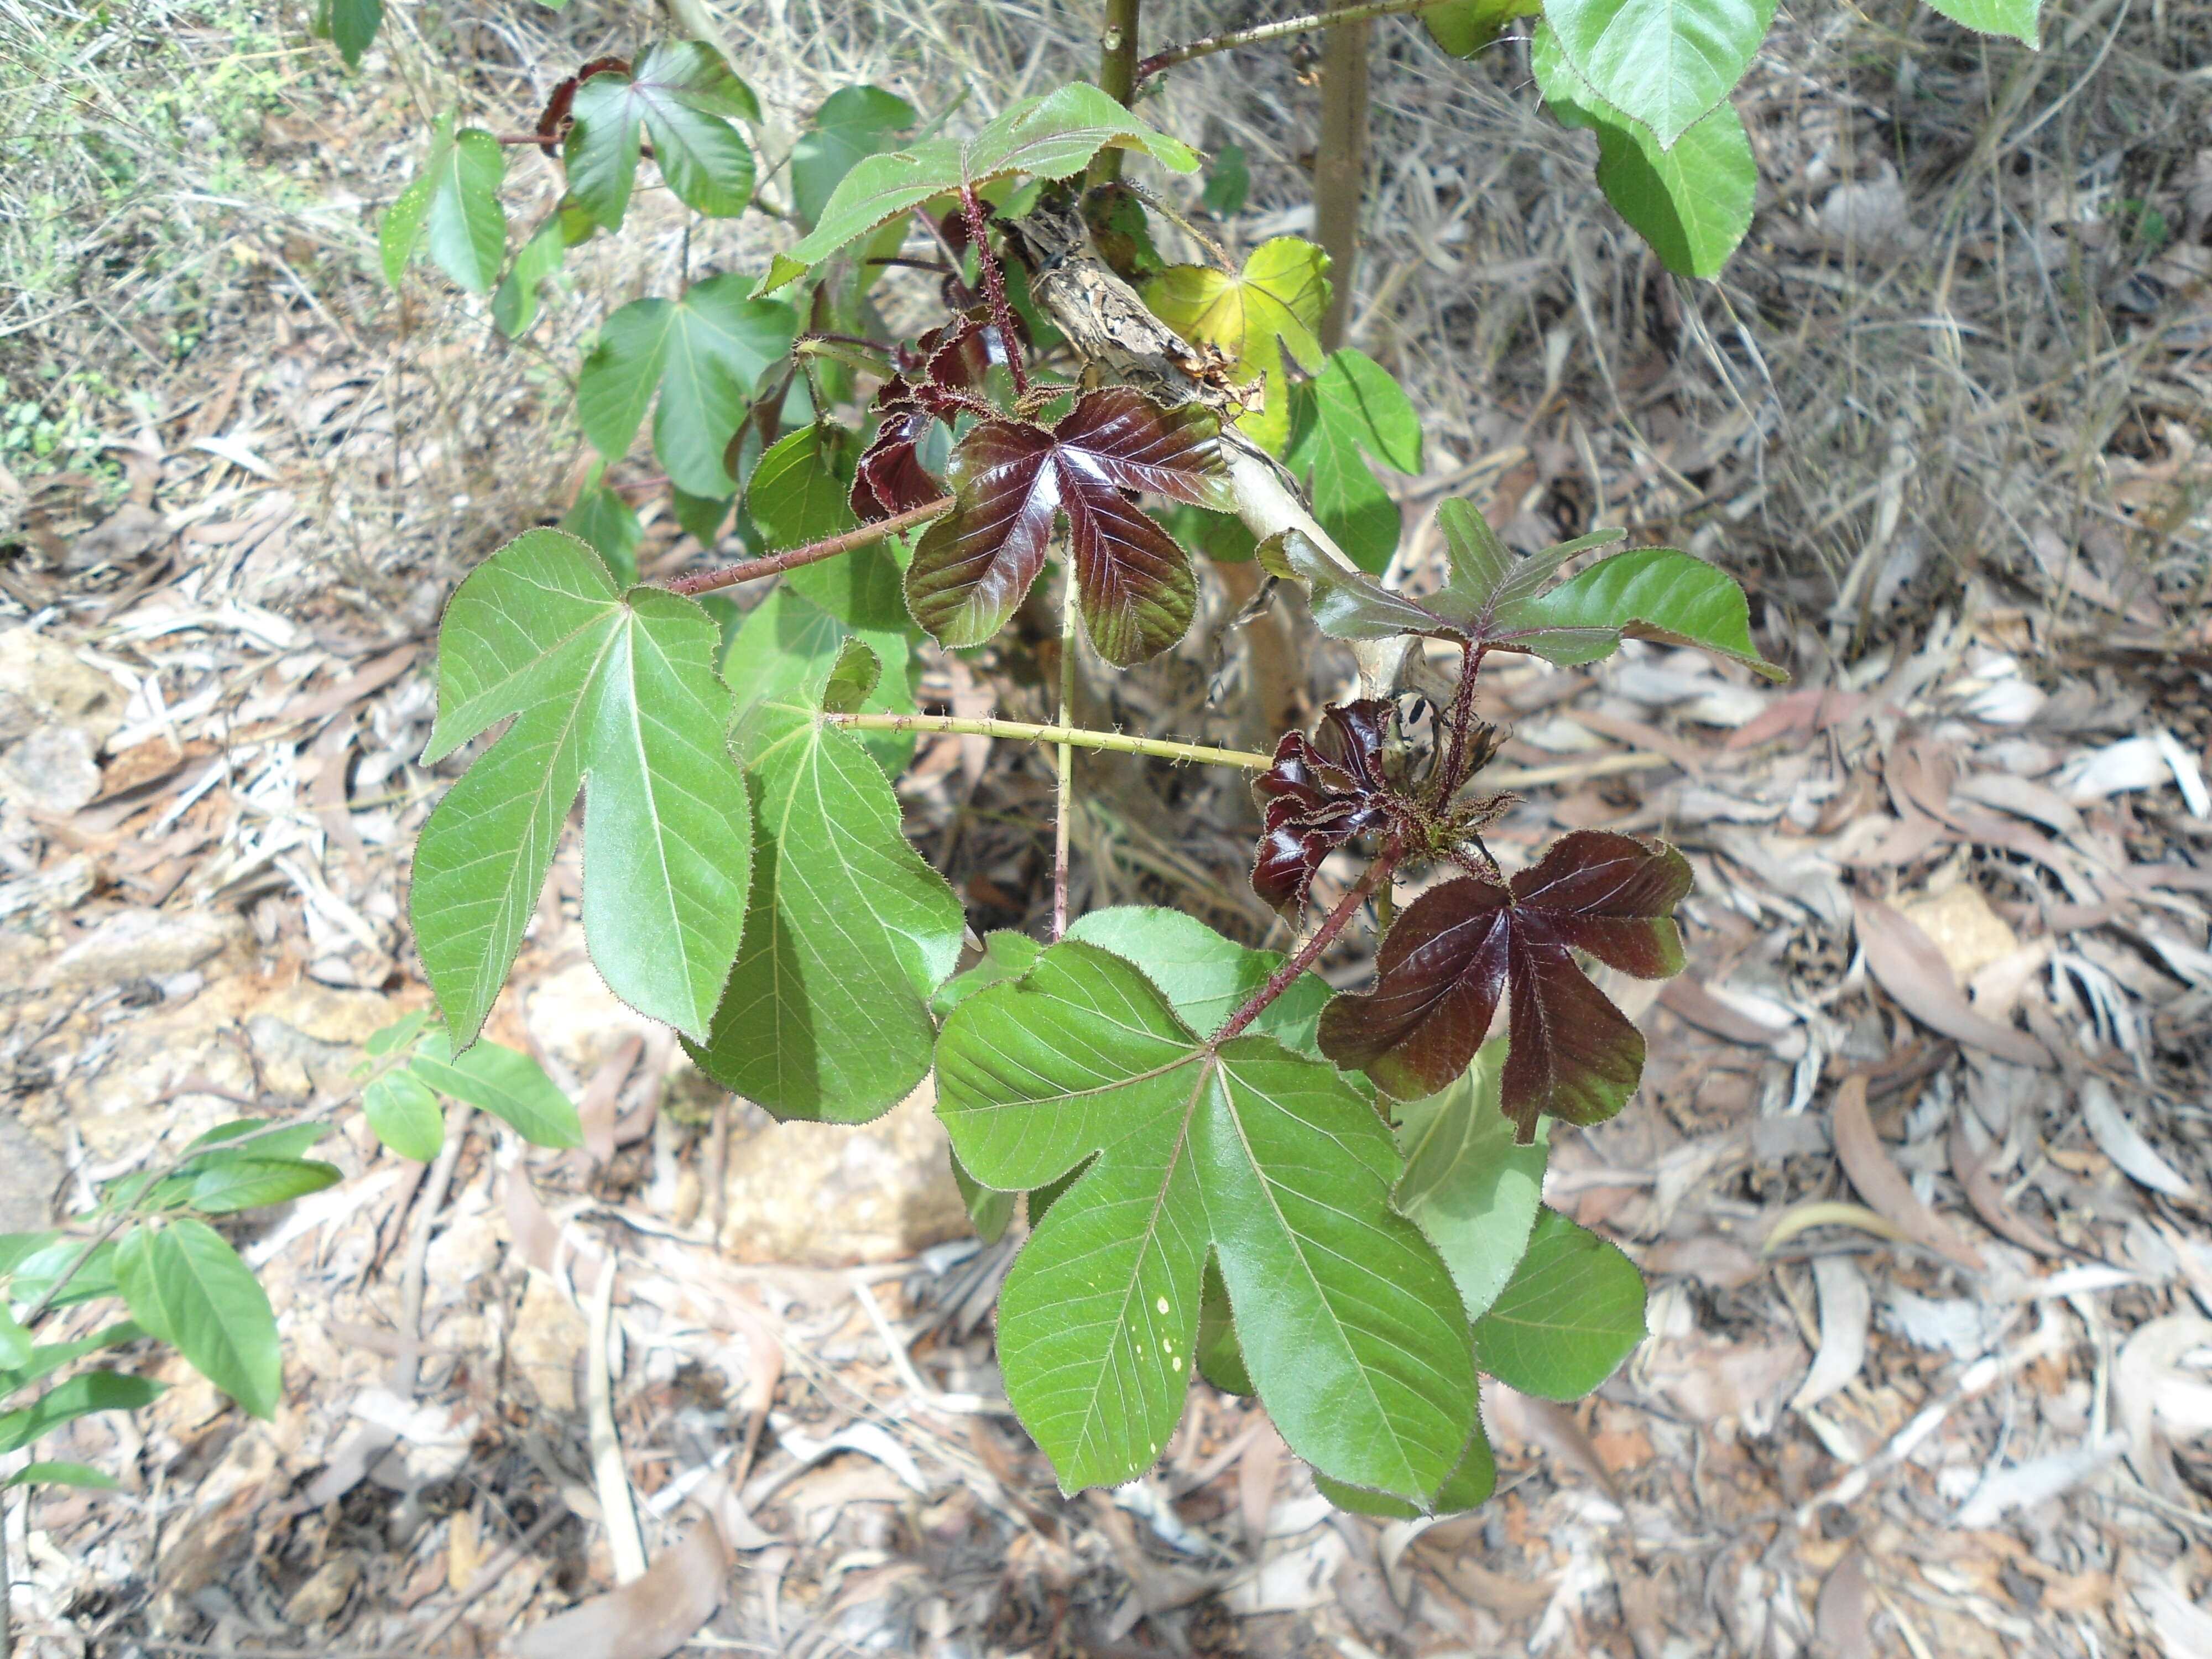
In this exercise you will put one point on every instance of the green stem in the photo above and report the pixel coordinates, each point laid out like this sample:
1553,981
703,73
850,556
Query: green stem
1121,743
1341,162
1117,75
1064,784
1308,953
744,570
1266,32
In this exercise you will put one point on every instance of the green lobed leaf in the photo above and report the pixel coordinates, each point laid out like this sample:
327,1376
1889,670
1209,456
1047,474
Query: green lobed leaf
184,1284
1348,1322
1693,203
1646,593
604,519
826,1015
1663,62
1006,955
612,693
853,123
786,648
453,205
1220,1358
1352,409
403,1114
78,1396
249,1183
2018,18
61,1474
706,354
1051,136
1205,977
682,96
516,306
990,1212
505,1082
1573,1312
1269,310
799,494
1466,1184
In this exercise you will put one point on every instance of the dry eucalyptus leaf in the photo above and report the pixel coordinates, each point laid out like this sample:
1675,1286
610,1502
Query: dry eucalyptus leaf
647,1619
1883,1185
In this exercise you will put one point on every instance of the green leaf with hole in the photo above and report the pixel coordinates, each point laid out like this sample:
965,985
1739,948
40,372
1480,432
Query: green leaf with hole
2016,18
79,1397
706,354
681,96
1348,1322
184,1284
403,1114
1051,136
1663,62
612,693
826,1016
1647,593
786,648
503,1081
1570,1314
1268,311
853,123
63,1474
1692,204
799,494
604,519
1349,412
1467,1185
453,206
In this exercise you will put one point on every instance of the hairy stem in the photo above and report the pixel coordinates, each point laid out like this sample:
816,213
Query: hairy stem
1308,953
1266,32
1120,742
994,289
1117,75
1064,784
744,570
1462,714
1341,162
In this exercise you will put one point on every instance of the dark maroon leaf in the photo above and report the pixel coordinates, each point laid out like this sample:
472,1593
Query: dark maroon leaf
553,120
1321,792
890,478
1459,947
1015,480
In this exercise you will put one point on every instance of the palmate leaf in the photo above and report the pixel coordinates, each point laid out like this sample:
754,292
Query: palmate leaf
1457,949
453,205
1693,203
1051,136
854,122
1349,411
1493,600
1663,62
800,493
1348,1322
1205,977
1013,481
612,692
1571,1313
826,1015
682,96
1321,792
1271,308
706,354
785,651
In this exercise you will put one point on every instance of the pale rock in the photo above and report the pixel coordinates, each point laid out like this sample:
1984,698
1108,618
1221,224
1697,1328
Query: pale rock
549,1333
309,1036
322,1597
131,1095
29,1175
143,944
22,956
1962,925
63,887
829,1195
42,683
55,770
576,1020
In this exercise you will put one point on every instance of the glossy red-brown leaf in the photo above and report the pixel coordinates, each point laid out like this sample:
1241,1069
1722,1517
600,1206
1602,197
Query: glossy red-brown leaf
1459,947
890,478
1015,480
1321,792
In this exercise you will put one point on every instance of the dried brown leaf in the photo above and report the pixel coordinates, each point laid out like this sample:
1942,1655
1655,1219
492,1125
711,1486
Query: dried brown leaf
1911,968
1882,1184
1988,1198
647,1619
